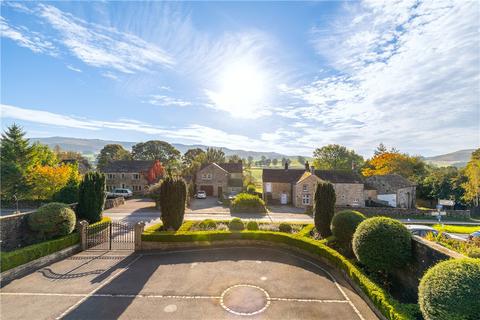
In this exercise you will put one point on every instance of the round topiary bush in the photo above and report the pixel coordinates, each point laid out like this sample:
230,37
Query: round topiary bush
344,224
285,227
252,225
208,224
382,244
451,290
251,189
248,203
236,225
52,220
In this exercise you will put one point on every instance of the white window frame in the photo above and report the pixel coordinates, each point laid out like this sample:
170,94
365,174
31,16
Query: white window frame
136,176
268,187
306,199
111,176
123,175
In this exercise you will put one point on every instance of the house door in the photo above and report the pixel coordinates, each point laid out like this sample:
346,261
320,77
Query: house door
283,198
208,190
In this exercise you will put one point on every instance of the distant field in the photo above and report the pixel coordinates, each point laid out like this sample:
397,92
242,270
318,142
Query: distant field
256,173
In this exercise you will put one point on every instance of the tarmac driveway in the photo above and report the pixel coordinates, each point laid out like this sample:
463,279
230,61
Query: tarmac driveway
209,205
211,283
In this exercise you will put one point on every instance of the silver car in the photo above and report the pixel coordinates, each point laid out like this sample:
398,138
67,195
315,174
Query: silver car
421,230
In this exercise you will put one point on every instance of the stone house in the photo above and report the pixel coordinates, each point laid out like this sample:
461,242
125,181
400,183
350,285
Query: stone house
297,186
219,178
394,190
136,175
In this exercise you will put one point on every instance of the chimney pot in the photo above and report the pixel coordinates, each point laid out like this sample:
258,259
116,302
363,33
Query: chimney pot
312,169
286,165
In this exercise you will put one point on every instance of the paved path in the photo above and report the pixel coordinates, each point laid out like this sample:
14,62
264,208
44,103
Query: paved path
214,283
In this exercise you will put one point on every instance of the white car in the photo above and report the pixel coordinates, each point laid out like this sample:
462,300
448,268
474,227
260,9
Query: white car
201,195
421,230
120,192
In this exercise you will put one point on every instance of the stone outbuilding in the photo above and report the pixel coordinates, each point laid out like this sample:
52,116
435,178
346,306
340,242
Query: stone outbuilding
297,186
216,179
394,190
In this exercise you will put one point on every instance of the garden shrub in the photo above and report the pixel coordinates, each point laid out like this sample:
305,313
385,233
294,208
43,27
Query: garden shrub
344,224
251,189
252,225
324,208
451,290
285,227
236,225
68,194
172,197
208,224
382,244
52,220
91,197
248,203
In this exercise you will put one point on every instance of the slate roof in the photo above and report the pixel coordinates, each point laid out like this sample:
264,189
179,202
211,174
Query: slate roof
227,166
129,166
388,183
293,175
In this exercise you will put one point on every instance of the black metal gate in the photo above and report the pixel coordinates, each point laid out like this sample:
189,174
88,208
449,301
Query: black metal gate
111,236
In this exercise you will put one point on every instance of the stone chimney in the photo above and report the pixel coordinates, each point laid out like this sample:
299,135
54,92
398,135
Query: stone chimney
312,169
286,165
307,166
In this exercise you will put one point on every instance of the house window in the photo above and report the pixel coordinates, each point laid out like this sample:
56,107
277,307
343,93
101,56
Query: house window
111,176
136,176
137,188
123,184
306,199
268,187
206,176
123,176
109,188
305,187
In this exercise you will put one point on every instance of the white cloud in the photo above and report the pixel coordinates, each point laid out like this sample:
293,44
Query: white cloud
104,47
193,133
408,75
163,100
26,38
73,68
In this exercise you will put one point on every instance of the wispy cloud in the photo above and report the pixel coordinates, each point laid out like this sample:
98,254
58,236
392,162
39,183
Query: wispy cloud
408,73
193,133
73,68
26,38
163,100
104,47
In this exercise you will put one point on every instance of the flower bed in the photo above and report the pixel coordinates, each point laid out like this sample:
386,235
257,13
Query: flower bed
388,306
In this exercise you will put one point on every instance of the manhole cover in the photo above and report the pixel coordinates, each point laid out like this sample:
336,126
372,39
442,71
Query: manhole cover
245,299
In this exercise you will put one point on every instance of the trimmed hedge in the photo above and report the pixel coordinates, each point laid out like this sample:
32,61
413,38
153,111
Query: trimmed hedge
208,224
451,290
248,203
344,224
21,256
388,306
285,227
52,220
382,244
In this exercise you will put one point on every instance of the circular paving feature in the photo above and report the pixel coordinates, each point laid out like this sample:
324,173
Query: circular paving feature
245,300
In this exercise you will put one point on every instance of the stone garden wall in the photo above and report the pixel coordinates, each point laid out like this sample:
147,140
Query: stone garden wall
372,211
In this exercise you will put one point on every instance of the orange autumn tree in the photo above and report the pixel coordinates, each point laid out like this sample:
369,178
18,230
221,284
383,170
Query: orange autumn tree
155,172
395,162
48,180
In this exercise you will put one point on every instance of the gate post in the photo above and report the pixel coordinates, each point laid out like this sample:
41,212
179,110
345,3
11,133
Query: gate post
139,226
82,229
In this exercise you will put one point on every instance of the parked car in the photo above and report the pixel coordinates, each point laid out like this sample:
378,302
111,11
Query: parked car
474,235
120,192
200,195
421,230
232,196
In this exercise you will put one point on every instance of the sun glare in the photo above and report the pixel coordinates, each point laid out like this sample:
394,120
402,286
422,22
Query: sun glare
242,90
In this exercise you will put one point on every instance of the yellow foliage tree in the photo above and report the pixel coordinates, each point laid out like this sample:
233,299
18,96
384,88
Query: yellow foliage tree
48,180
394,162
472,186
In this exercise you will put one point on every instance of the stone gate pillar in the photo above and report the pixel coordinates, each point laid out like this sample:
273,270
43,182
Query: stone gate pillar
139,227
82,229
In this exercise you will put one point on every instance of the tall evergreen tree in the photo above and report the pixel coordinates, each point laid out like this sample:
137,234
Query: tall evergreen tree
324,208
91,197
16,159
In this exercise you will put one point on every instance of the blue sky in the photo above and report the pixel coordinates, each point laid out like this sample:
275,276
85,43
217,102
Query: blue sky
265,76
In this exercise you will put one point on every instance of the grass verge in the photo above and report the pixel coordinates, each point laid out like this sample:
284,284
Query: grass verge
456,229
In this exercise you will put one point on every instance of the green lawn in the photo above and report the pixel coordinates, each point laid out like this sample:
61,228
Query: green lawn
456,229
